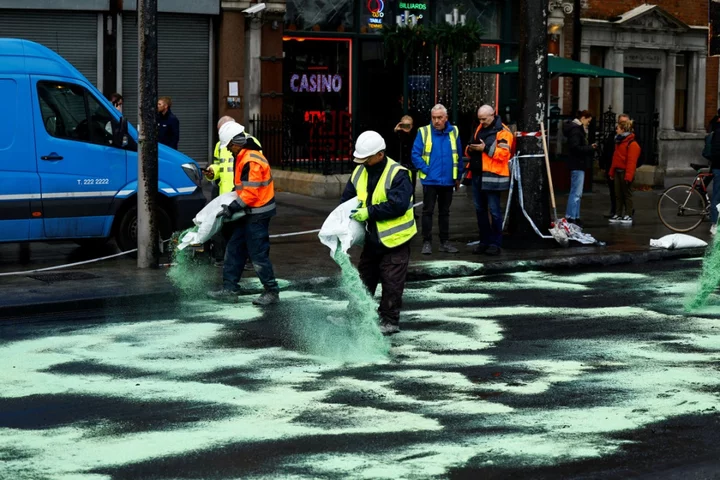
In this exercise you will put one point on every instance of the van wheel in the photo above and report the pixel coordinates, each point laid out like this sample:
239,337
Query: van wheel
126,236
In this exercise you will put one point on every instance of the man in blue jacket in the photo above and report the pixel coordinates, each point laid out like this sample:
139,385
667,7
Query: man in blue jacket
436,154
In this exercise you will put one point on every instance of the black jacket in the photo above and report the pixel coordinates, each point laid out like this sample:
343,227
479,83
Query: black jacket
405,145
168,129
399,197
715,155
580,151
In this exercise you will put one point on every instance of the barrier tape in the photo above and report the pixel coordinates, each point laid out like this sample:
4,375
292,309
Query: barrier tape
528,134
515,176
115,255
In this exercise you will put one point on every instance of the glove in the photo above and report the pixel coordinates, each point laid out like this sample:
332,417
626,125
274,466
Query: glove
229,210
360,214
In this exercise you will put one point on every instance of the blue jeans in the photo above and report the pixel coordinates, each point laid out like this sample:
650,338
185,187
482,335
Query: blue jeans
490,233
715,199
249,238
577,179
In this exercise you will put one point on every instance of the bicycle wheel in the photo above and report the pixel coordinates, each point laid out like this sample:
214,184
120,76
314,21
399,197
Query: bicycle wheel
681,208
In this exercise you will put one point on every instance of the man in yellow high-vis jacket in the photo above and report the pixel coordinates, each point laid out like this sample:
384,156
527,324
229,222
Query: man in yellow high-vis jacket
385,195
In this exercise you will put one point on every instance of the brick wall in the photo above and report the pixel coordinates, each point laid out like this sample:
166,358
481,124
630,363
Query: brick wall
711,88
692,12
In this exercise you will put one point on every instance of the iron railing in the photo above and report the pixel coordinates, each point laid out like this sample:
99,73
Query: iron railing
318,142
646,129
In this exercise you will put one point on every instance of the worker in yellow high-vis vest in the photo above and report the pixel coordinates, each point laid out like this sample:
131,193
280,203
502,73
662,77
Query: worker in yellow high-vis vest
436,154
385,197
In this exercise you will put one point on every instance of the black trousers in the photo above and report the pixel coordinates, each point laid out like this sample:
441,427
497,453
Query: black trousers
443,197
611,187
389,268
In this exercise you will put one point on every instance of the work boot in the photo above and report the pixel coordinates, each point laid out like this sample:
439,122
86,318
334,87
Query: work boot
267,298
447,248
387,328
427,248
224,295
493,250
480,248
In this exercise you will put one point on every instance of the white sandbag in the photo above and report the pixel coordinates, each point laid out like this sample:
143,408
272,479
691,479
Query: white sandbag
678,240
339,226
207,221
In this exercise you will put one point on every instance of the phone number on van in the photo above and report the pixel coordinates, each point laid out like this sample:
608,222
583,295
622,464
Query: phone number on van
93,181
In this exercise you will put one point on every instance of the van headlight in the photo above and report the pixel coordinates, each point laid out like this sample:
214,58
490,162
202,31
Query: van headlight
193,172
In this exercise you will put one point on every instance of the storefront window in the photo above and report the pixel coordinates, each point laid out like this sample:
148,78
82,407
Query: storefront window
320,15
484,12
317,88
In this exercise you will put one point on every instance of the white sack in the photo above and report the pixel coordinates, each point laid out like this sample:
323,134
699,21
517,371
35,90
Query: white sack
339,226
678,240
207,222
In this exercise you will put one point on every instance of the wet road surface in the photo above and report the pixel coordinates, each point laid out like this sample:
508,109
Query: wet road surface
527,375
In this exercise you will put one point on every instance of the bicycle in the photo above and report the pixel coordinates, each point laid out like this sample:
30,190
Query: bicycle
683,207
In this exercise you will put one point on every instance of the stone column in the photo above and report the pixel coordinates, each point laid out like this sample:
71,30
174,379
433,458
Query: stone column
584,93
692,98
700,101
253,40
667,121
618,95
608,83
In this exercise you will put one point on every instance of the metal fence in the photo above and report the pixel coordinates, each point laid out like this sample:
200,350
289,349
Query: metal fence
320,142
646,129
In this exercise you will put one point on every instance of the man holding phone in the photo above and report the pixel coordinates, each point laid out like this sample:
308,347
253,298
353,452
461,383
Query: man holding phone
490,151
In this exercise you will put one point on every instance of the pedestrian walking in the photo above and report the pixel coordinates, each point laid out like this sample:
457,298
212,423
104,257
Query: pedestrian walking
622,171
490,151
581,154
248,236
606,162
714,128
436,155
406,136
168,124
384,191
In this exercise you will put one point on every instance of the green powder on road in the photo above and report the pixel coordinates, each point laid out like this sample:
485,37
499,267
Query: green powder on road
349,335
193,277
709,280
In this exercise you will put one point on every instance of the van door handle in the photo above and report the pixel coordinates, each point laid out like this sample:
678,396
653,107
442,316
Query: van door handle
51,157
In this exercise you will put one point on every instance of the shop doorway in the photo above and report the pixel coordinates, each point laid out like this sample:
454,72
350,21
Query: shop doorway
379,99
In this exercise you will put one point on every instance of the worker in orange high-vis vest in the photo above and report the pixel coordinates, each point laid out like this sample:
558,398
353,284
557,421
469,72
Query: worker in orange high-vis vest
248,236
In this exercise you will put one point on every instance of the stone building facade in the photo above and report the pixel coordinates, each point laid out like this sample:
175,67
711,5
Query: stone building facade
665,44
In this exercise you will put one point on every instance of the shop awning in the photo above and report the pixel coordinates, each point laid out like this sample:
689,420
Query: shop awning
558,67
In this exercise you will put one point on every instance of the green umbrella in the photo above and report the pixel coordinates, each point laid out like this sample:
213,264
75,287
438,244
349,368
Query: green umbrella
558,67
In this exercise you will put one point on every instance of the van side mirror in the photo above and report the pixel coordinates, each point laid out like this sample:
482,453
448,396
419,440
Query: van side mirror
120,133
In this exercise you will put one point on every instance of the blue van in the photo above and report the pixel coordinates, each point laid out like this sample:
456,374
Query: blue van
68,160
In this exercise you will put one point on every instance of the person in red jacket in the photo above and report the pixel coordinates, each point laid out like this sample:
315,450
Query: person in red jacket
622,171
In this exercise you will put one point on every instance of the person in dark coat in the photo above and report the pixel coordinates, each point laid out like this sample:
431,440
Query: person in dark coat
580,160
406,134
714,128
168,124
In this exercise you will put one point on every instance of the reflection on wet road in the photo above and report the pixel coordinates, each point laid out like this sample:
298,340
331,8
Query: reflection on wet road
533,374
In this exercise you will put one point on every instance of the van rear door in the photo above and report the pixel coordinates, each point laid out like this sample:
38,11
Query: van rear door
19,182
80,169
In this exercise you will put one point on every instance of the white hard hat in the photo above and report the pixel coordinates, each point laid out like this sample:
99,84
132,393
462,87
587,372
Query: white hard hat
367,144
229,131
